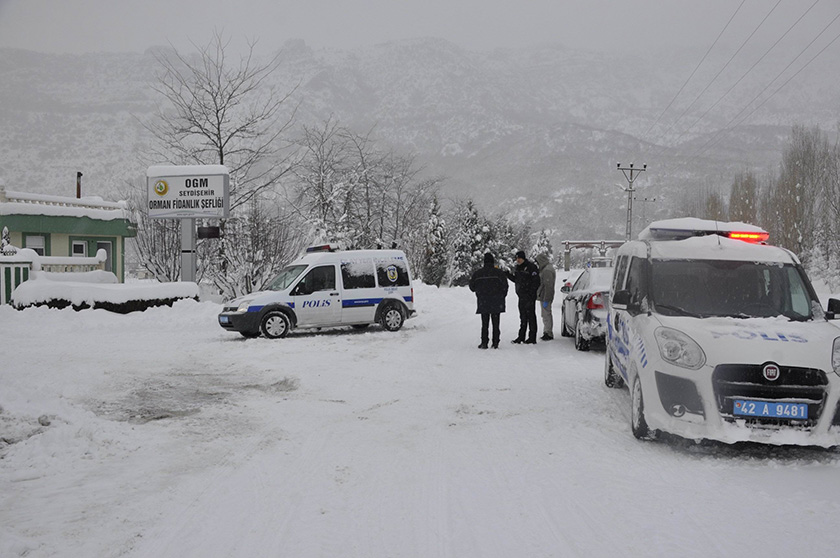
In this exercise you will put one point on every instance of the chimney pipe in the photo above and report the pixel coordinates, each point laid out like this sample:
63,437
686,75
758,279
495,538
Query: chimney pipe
78,185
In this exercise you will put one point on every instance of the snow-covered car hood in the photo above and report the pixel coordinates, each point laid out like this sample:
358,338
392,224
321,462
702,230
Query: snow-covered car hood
254,297
759,340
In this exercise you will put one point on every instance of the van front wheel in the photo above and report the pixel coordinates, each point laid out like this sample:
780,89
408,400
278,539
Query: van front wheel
391,318
275,325
638,424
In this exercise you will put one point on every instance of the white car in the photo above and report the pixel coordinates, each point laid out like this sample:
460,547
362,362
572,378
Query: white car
583,314
325,288
721,338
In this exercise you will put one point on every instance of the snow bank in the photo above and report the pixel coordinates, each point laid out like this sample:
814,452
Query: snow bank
43,289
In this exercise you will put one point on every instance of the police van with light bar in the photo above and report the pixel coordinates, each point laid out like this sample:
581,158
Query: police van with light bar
721,336
327,287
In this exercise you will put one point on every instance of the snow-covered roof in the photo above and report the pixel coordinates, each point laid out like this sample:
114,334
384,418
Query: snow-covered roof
93,207
186,170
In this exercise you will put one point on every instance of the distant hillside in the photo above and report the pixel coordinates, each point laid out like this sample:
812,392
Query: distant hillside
534,133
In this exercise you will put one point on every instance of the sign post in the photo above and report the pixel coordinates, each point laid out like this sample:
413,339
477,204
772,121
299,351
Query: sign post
188,192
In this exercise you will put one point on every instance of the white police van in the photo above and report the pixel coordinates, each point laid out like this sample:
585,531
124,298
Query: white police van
720,336
327,287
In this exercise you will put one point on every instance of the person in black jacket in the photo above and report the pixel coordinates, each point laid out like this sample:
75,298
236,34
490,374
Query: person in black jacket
526,277
490,287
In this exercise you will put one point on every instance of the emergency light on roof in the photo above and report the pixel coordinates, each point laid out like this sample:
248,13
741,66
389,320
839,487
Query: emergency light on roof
757,237
680,229
322,248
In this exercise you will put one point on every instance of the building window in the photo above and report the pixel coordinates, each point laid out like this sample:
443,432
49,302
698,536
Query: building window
37,243
79,249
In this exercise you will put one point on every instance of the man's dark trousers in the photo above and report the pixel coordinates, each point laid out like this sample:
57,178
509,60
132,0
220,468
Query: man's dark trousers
485,326
527,318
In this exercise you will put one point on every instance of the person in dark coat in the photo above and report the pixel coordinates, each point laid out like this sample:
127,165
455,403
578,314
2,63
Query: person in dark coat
490,287
526,277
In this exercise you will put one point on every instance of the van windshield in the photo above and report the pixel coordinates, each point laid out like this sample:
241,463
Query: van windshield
707,288
286,277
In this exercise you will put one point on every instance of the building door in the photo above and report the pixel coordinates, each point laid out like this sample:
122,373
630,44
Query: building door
108,246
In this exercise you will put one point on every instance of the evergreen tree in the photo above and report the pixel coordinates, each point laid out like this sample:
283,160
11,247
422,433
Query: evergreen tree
543,246
436,249
468,244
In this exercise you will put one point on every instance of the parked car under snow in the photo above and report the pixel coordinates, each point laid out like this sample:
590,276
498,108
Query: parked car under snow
583,314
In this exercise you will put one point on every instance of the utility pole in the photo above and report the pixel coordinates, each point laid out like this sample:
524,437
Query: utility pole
630,174
645,201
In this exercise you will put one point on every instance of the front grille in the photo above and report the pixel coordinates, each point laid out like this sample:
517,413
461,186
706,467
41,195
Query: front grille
747,381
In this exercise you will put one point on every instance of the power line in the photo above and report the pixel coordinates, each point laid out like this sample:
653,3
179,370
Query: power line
748,71
725,27
726,129
719,72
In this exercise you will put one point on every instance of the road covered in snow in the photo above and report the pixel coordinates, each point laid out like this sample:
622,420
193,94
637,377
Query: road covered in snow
158,434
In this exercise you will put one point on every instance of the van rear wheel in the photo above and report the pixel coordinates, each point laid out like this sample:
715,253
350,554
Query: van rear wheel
611,378
391,318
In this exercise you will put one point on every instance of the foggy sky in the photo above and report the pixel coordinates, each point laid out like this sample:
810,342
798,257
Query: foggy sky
78,26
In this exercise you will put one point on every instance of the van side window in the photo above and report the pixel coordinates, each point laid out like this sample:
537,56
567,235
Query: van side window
321,278
618,275
635,280
392,273
358,274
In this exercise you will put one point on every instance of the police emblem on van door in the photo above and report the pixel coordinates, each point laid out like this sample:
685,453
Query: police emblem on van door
771,372
391,270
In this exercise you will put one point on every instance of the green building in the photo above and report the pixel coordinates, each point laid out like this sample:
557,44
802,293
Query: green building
68,227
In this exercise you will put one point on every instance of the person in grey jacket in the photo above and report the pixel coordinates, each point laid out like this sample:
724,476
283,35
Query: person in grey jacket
545,295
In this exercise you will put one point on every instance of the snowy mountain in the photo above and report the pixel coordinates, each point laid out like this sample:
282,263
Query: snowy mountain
533,132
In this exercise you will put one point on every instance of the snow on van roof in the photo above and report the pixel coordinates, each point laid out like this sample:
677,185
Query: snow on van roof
348,255
714,247
690,226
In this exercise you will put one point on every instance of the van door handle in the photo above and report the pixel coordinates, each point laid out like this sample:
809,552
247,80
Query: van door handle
333,294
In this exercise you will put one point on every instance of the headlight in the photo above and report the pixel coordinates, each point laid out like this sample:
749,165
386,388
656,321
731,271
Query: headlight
835,356
678,348
243,306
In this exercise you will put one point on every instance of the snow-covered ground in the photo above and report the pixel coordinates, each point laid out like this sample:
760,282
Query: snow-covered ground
158,434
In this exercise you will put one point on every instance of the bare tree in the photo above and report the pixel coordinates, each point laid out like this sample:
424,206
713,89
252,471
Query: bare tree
227,113
795,194
218,113
158,241
715,209
743,198
261,240
355,194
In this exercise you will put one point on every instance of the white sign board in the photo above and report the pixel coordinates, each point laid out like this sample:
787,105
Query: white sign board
188,192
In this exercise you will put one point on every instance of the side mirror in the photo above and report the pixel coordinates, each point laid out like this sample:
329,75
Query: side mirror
300,290
621,299
565,288
833,309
